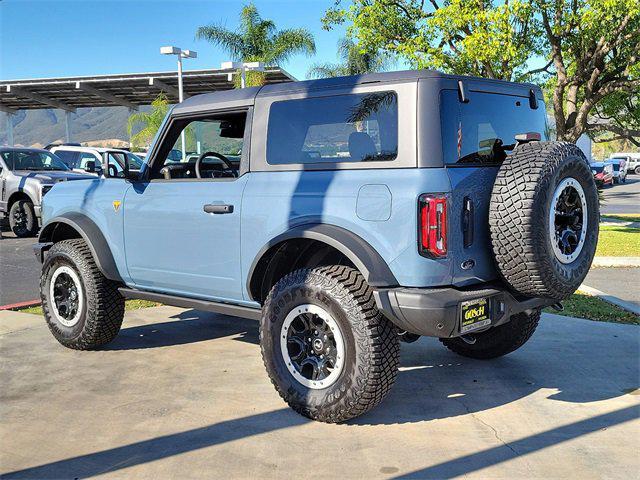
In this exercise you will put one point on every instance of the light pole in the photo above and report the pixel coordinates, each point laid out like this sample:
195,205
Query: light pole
171,50
243,67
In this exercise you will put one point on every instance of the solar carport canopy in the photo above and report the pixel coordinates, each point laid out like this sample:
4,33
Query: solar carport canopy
128,90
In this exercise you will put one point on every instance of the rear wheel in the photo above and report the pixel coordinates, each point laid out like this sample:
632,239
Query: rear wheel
329,352
22,219
83,309
497,341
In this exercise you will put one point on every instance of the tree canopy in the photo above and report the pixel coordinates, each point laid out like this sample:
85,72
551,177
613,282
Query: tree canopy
584,52
148,122
258,40
353,61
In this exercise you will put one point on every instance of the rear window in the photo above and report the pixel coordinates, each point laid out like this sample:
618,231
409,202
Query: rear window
341,128
475,132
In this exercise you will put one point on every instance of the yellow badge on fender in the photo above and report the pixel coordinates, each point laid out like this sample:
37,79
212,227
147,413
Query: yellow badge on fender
116,205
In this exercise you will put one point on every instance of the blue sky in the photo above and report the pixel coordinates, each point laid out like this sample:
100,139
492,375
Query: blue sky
53,38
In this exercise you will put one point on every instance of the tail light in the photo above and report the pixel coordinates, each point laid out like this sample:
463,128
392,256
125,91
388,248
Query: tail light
432,235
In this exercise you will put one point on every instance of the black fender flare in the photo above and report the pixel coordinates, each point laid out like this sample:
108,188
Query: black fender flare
366,259
93,237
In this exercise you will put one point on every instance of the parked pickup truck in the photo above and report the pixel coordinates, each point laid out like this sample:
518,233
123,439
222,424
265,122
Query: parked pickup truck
26,175
346,215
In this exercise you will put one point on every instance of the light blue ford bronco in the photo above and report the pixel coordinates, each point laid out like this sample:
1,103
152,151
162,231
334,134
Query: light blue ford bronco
346,215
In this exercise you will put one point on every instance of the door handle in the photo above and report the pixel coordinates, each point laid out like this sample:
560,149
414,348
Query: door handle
218,209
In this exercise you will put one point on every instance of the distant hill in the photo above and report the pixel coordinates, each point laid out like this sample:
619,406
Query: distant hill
39,127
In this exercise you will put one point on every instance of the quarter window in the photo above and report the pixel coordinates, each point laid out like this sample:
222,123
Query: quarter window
343,128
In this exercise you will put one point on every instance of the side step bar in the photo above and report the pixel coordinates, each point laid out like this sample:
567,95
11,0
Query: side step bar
186,302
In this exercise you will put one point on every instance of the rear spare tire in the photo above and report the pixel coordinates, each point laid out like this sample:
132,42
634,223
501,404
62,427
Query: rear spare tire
544,218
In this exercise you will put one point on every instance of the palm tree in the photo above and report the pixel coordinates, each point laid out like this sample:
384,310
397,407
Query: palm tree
257,40
149,121
353,61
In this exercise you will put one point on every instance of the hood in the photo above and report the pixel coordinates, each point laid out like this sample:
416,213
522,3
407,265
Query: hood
47,176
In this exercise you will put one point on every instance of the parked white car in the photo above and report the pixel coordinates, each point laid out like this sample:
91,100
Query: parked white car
95,159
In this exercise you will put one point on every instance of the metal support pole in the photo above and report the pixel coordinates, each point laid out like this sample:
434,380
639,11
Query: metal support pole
243,77
130,113
10,141
67,126
180,97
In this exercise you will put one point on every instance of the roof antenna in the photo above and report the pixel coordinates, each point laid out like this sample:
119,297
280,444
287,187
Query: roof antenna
462,92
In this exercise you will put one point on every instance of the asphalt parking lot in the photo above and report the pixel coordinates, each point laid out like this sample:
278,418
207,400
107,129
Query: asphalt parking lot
184,394
622,198
19,269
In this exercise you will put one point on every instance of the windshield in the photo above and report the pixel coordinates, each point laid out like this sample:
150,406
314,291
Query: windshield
33,160
597,169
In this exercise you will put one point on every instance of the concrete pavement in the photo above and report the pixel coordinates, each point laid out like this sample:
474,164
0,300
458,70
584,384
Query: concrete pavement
183,394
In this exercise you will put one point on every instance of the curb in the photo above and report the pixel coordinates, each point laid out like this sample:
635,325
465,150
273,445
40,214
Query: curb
594,292
14,306
616,262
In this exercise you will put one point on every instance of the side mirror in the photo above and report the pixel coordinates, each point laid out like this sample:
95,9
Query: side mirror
90,166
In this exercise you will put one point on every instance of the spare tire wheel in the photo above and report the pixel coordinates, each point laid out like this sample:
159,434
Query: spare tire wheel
543,219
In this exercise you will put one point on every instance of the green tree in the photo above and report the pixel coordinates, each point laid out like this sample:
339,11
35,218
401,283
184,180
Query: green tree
353,61
147,123
586,50
258,40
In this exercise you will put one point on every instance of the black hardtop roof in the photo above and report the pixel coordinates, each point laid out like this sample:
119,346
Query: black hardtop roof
244,96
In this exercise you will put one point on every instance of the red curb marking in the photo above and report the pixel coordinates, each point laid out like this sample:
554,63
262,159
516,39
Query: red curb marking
13,306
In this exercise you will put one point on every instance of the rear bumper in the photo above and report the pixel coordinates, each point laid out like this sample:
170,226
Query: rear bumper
436,312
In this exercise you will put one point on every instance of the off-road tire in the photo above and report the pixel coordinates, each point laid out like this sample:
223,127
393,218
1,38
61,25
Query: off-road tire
637,171
102,307
371,343
30,227
519,219
497,341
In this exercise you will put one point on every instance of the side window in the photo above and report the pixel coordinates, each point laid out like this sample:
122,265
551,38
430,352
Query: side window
85,157
69,157
208,148
341,128
115,163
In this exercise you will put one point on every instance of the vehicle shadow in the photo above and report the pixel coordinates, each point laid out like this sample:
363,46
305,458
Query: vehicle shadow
189,326
572,365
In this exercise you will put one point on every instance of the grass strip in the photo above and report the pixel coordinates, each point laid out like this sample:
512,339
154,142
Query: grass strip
128,305
582,305
618,242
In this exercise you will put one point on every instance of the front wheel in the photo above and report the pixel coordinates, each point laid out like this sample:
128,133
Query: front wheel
83,309
329,352
497,341
22,219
